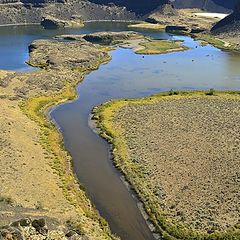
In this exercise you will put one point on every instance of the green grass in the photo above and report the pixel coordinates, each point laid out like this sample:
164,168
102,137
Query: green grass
160,47
145,25
6,200
213,41
169,228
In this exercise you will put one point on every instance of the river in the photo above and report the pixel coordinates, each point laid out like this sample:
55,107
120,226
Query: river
127,75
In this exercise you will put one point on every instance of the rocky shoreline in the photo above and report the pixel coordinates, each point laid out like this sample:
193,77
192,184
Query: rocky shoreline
37,229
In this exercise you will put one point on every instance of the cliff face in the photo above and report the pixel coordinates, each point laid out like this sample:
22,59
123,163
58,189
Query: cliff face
32,11
208,5
84,10
138,6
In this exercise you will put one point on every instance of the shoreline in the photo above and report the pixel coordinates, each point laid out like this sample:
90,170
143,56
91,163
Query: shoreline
103,117
18,24
87,21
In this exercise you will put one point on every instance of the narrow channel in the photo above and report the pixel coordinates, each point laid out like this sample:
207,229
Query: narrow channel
129,75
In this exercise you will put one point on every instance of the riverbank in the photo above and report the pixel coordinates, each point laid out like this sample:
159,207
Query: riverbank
38,181
218,42
137,139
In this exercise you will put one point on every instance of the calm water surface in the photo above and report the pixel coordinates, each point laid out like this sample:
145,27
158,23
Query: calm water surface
127,76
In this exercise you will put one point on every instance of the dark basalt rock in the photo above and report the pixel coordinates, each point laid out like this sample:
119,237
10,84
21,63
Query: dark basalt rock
40,226
171,29
22,223
230,24
26,229
197,30
49,23
10,233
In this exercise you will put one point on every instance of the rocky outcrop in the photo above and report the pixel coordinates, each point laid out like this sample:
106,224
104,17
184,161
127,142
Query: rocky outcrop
175,29
111,37
162,13
27,229
208,5
53,22
68,55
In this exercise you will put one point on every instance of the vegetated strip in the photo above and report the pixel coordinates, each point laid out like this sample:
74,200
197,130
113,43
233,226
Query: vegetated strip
168,228
216,42
160,47
36,108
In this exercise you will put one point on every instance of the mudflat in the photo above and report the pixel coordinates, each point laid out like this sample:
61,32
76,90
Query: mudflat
181,154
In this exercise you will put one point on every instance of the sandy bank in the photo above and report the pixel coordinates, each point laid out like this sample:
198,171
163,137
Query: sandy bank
211,15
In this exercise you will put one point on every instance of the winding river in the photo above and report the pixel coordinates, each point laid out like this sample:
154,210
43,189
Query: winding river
127,75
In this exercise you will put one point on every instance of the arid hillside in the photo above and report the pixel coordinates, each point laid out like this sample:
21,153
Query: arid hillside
19,13
208,5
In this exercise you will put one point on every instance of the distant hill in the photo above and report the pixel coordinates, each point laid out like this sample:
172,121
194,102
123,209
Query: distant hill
140,7
230,24
224,6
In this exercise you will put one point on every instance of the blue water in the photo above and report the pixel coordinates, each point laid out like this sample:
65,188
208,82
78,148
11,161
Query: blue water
14,40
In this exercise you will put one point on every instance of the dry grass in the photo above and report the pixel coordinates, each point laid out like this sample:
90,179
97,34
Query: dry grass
180,153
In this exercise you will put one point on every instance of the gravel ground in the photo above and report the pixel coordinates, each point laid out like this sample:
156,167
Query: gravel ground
188,150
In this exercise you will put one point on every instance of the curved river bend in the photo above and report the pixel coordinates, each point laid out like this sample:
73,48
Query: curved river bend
127,76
